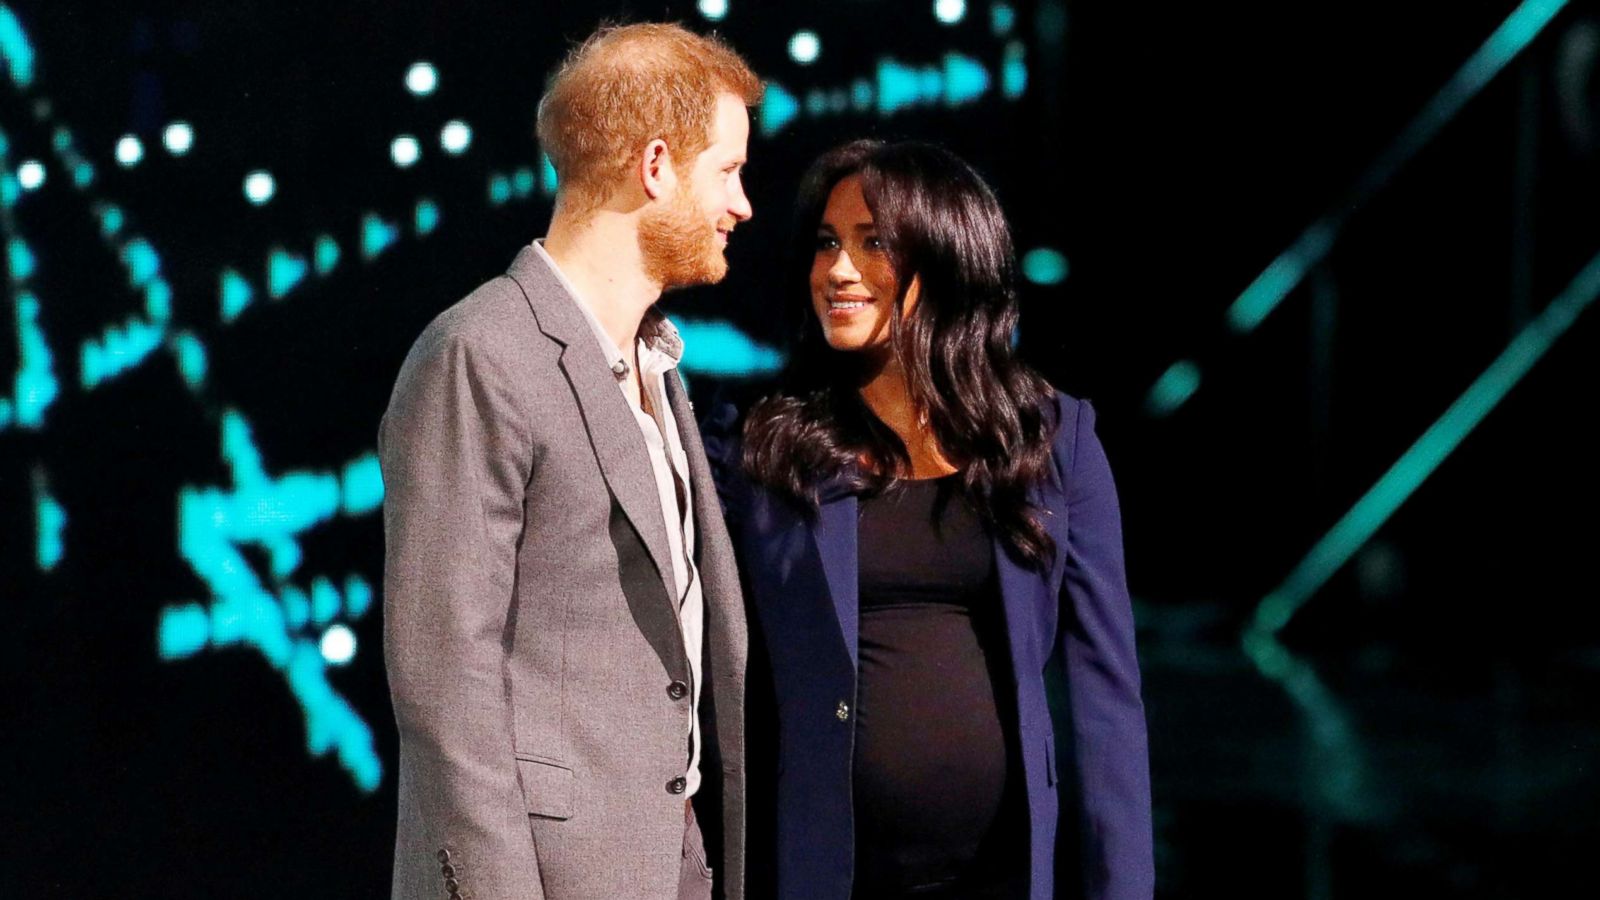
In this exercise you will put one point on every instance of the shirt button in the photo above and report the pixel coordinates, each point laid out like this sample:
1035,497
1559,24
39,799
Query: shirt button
677,690
843,712
678,785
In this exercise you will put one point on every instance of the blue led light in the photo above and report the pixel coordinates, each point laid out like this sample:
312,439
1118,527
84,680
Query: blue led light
357,596
965,79
20,259
141,261
51,520
16,53
191,356
549,180
1014,71
158,300
426,217
861,95
714,10
523,182
361,484
1173,388
325,601
285,270
1044,266
719,349
270,512
778,109
499,189
1002,18
36,385
234,294
325,254
377,235
111,220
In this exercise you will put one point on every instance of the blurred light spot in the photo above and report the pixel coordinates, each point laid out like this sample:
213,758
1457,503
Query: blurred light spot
259,187
30,175
129,151
422,78
178,137
405,150
338,645
1002,18
950,11
1044,266
714,9
455,137
804,47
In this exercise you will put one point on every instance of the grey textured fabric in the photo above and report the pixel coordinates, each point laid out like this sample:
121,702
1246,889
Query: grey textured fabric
532,643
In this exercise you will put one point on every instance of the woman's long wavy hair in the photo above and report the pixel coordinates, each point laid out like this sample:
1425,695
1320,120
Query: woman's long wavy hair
991,413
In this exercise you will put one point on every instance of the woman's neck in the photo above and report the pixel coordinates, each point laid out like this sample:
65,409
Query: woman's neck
884,392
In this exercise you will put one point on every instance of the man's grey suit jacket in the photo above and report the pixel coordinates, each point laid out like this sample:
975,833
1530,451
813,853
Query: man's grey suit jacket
530,631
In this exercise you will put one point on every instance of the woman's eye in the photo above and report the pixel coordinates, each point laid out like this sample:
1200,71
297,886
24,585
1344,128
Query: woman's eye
827,242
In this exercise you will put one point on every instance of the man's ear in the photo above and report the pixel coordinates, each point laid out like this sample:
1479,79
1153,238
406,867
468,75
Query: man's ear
656,174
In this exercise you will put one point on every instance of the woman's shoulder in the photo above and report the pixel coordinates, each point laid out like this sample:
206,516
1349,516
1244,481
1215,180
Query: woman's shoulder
721,431
1071,418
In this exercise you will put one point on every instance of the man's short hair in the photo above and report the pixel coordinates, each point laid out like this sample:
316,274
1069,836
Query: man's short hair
626,86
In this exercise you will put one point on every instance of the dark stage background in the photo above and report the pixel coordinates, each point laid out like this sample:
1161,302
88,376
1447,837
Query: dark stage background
1323,266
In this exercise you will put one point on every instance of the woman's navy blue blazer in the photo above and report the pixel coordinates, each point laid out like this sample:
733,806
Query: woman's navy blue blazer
799,569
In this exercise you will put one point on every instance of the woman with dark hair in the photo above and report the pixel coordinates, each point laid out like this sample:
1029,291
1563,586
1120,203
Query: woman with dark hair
924,525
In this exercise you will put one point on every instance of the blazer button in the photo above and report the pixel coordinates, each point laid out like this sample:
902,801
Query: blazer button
447,870
444,856
677,785
677,690
452,886
843,712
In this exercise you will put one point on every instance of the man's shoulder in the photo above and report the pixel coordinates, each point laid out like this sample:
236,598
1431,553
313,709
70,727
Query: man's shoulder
493,323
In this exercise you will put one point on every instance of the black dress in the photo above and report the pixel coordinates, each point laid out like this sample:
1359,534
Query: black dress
940,809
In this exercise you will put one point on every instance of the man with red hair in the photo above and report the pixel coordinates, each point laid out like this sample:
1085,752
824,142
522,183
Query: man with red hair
564,632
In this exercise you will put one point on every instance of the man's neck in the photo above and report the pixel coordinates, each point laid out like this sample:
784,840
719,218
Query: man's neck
600,256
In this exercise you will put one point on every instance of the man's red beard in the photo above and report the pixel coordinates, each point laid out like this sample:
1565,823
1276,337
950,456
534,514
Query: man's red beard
678,246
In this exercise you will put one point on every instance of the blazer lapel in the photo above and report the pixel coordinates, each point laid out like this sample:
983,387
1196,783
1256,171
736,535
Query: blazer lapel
835,533
613,431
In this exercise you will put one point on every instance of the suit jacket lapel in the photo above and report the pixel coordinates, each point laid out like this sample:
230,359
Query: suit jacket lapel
613,430
835,533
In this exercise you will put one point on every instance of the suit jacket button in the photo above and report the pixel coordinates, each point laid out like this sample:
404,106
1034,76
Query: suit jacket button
447,870
843,712
444,856
678,785
451,885
677,690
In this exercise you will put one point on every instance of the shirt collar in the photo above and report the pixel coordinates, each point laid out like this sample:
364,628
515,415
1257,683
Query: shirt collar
660,345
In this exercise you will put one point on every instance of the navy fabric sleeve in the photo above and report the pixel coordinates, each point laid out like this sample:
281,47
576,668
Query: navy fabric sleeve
1102,672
